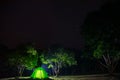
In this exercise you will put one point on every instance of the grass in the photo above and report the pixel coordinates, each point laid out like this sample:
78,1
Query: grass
77,77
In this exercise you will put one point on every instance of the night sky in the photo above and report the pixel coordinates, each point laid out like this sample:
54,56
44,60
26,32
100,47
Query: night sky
44,22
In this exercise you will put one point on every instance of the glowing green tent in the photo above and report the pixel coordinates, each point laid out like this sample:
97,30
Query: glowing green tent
39,73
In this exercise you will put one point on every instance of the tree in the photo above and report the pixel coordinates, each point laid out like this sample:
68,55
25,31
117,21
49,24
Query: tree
101,34
25,57
58,59
107,58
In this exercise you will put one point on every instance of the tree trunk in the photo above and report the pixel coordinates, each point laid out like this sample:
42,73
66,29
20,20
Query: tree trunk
20,70
53,72
110,64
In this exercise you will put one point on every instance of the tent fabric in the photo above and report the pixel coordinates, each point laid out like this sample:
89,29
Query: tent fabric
39,73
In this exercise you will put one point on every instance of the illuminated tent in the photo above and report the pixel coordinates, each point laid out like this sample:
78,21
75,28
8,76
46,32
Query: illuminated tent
39,73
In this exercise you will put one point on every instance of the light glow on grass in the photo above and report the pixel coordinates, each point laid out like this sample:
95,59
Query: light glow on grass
39,73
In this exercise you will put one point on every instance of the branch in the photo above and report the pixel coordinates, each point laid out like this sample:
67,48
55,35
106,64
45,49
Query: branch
115,65
106,61
103,64
109,58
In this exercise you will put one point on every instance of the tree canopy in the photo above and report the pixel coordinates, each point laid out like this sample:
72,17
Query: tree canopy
58,59
23,57
101,34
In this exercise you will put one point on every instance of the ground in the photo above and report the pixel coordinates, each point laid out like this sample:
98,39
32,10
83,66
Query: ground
77,77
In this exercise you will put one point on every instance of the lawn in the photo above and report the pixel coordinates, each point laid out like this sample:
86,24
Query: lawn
77,77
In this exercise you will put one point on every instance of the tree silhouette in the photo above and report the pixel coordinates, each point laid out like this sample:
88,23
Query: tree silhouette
101,34
23,57
58,59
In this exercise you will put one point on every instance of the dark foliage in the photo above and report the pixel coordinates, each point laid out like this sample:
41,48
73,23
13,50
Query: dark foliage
102,25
